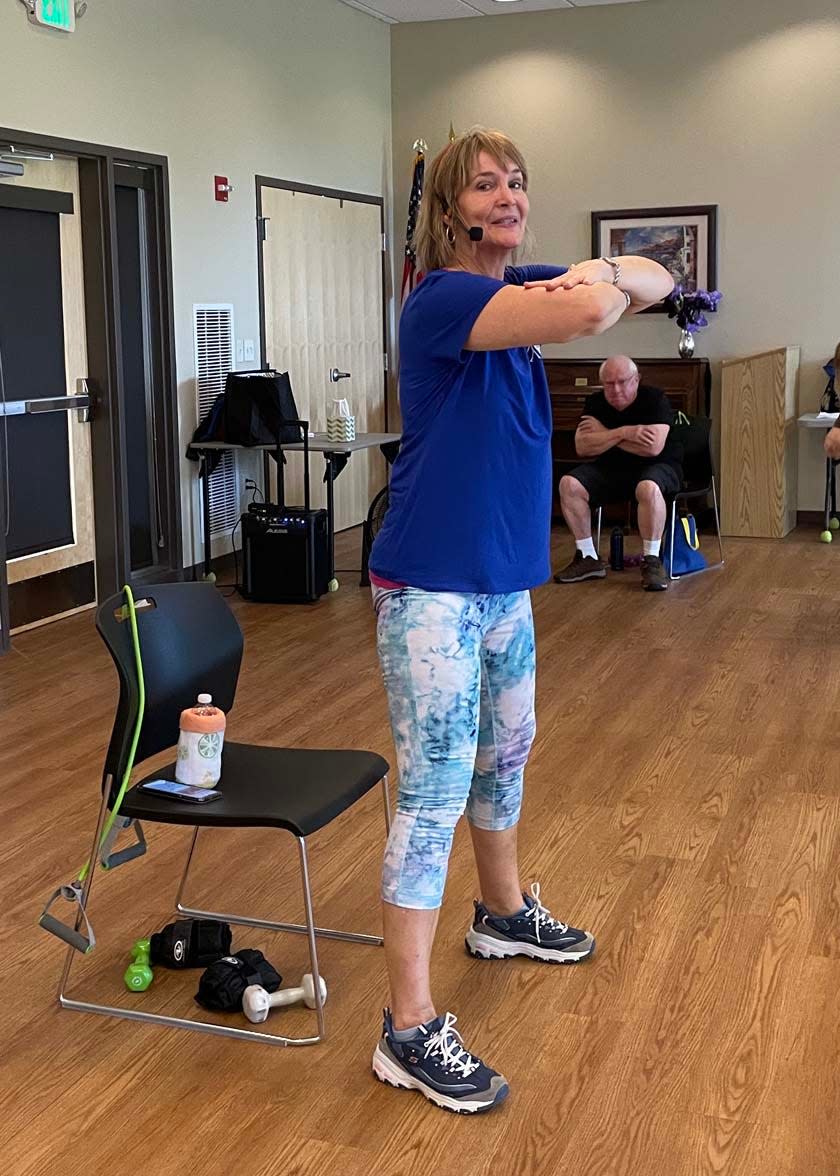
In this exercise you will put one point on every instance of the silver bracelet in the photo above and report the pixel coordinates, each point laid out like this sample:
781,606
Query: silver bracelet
629,300
616,269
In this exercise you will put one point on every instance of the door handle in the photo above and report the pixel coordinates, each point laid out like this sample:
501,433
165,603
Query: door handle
48,404
336,375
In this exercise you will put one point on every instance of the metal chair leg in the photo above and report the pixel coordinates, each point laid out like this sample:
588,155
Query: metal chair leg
387,802
671,575
598,531
717,521
310,930
183,882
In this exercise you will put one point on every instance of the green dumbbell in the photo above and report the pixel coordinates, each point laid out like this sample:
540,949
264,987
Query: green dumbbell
139,975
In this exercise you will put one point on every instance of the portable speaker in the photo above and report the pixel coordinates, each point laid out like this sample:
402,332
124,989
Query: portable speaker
285,552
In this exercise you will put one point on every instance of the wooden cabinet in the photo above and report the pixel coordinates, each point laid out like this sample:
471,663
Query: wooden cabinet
758,443
686,382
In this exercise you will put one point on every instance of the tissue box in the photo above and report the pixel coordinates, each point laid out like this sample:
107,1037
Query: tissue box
341,428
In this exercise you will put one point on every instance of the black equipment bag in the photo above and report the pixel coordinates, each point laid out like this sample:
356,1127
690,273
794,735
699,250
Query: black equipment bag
257,406
190,943
222,986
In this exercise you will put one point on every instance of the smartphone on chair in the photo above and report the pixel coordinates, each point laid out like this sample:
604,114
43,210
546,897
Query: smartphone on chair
177,791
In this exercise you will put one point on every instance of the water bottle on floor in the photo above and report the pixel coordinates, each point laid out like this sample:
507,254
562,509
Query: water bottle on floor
200,742
617,550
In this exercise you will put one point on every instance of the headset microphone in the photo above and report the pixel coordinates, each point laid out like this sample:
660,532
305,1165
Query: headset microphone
476,234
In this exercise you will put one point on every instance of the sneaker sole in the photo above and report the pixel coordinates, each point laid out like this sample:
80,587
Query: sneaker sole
579,579
487,947
655,587
393,1075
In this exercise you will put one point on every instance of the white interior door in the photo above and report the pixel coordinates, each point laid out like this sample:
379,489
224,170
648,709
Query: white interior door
50,544
322,281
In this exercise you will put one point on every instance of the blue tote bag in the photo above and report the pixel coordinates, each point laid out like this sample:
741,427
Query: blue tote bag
688,557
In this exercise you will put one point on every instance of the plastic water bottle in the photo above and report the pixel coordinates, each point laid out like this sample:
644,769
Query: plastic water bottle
200,742
617,550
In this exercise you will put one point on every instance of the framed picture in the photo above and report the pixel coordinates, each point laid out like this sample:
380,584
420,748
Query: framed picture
684,240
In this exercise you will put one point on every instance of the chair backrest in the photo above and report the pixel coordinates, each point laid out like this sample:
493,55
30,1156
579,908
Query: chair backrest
697,463
190,643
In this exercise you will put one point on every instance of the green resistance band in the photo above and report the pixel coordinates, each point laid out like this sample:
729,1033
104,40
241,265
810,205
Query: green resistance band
131,610
73,892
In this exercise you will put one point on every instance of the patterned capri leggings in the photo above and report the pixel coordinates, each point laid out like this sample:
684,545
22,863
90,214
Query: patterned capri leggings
459,671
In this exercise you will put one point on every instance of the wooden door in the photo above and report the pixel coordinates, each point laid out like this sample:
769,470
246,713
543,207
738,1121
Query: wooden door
322,283
50,554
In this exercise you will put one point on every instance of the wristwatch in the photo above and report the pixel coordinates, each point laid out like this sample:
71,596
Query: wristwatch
616,269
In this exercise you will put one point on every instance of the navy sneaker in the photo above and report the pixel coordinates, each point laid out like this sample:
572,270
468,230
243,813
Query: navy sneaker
435,1062
533,932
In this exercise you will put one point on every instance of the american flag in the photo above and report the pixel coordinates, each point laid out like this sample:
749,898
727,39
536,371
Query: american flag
410,276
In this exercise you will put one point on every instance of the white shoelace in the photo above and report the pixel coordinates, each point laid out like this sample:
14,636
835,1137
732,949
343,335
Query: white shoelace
541,916
447,1044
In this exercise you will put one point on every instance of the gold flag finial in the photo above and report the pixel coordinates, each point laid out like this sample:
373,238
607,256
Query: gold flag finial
452,135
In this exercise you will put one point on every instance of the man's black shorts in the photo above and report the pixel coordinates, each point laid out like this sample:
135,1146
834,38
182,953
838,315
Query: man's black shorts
606,485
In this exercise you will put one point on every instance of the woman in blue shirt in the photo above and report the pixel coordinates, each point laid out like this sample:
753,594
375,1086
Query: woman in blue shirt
465,538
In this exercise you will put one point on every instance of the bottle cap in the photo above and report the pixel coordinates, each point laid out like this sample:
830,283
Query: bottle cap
205,699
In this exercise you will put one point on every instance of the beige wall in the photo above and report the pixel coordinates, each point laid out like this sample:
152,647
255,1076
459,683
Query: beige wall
273,87
667,102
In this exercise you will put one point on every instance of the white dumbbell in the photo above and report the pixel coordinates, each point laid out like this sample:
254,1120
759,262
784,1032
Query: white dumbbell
256,1002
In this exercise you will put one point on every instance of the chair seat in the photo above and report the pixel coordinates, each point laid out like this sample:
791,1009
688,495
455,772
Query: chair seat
289,788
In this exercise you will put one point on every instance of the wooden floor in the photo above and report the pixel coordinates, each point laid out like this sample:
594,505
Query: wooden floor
683,802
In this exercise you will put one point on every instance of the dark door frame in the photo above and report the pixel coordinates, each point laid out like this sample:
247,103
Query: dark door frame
334,194
108,434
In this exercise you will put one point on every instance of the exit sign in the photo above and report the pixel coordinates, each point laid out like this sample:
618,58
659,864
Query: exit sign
56,14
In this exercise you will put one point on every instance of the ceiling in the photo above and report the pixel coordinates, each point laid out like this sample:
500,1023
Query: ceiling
405,11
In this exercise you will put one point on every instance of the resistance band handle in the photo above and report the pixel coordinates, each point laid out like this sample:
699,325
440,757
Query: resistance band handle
70,935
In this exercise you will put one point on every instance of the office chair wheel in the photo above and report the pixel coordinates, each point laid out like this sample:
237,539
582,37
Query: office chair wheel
333,585
834,524
826,536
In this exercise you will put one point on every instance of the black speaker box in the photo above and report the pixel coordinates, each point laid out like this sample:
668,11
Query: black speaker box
285,553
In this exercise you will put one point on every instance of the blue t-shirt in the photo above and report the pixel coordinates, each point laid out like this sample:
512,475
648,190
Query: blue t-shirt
470,495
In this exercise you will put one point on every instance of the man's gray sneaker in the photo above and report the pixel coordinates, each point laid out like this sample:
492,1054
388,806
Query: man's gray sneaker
582,567
530,932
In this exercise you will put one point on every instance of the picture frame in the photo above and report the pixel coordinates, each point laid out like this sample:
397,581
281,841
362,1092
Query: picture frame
683,239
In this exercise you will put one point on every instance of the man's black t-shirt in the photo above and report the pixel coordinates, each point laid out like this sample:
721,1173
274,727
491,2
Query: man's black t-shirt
650,407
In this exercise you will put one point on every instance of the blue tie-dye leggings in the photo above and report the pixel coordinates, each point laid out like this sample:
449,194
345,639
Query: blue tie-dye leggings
459,672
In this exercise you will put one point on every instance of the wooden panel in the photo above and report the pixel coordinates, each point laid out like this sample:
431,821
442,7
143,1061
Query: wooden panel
323,309
758,444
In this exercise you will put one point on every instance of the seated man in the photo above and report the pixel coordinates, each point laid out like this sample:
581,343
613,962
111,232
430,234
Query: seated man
625,428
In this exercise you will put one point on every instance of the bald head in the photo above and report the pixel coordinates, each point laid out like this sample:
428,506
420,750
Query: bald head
617,366
620,378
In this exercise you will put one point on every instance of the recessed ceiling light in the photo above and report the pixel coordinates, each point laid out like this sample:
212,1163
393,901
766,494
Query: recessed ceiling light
506,1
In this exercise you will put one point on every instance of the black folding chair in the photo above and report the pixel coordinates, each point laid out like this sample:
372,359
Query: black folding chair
190,641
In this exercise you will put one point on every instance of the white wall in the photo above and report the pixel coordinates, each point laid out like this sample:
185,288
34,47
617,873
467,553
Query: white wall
273,87
667,102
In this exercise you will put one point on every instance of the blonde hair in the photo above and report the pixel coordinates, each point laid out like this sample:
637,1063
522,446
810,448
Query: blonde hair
446,178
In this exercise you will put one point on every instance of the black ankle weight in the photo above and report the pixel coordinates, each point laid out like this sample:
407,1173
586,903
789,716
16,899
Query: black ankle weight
191,943
222,985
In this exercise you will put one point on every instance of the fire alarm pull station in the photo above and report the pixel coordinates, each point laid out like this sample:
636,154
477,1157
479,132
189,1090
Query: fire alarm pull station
222,187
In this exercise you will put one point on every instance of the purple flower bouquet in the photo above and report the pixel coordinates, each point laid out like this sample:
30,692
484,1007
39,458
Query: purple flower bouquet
690,309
